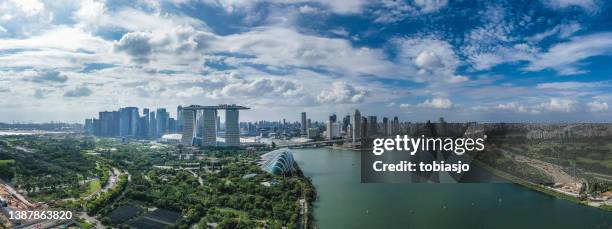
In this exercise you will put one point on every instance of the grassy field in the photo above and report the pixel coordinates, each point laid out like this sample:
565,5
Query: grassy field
94,186
5,162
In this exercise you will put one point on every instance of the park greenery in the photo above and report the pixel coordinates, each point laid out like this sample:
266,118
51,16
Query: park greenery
48,168
68,172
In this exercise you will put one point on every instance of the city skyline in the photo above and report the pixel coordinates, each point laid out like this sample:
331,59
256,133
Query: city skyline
498,61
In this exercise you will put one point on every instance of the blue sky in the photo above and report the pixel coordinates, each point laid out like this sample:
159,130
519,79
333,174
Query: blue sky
541,60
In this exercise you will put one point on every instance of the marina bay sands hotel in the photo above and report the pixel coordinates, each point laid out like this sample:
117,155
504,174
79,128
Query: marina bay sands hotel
207,115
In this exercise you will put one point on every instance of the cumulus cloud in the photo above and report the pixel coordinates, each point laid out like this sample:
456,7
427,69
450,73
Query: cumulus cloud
432,58
559,105
596,106
405,105
49,76
438,103
81,91
341,92
135,44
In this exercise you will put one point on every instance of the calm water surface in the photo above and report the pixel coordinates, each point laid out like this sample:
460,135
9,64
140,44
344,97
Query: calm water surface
344,202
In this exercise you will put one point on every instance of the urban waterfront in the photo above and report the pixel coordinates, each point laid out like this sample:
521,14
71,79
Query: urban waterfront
344,202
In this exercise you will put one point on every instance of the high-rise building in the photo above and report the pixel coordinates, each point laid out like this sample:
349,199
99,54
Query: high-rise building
345,122
232,130
209,131
128,121
308,124
218,123
395,128
333,118
152,125
372,126
162,121
333,130
188,127
356,126
179,119
88,127
172,125
386,127
304,123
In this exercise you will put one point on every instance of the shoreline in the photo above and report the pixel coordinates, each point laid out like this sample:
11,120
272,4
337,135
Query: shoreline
538,188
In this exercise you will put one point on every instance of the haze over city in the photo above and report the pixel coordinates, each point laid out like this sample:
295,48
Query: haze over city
488,61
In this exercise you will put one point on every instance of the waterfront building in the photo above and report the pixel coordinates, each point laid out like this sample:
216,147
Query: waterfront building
209,129
333,130
313,133
188,127
304,123
278,162
373,126
232,130
356,126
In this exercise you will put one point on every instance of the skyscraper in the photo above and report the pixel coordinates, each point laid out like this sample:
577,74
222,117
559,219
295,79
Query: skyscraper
386,127
128,121
188,127
333,118
209,131
303,122
372,126
179,118
162,121
356,126
232,130
345,122
152,125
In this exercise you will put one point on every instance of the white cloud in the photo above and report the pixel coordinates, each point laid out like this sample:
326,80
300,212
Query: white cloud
438,103
588,5
566,57
596,106
80,91
559,104
428,6
563,30
341,92
405,105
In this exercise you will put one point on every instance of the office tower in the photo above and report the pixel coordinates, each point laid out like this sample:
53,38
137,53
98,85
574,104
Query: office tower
232,131
372,126
106,119
128,121
88,127
209,131
188,127
386,127
313,133
395,128
345,122
303,122
172,125
218,123
333,118
96,127
179,119
364,128
162,121
333,130
308,123
356,126
152,125
144,132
